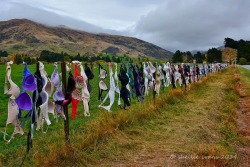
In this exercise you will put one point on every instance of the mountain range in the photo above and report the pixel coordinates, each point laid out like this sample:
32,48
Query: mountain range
25,36
203,51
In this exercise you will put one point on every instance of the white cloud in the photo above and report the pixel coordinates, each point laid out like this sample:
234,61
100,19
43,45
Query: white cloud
171,24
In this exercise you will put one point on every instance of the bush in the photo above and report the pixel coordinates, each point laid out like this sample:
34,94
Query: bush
243,61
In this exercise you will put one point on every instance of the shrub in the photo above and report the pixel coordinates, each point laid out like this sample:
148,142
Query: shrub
243,61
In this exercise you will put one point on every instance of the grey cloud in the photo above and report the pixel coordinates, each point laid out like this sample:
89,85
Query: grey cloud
19,10
171,24
110,14
196,24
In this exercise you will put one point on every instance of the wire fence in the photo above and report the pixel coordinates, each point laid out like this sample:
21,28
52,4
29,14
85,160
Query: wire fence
20,141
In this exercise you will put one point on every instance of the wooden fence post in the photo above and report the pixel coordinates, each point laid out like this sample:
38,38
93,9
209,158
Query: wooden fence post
65,108
154,75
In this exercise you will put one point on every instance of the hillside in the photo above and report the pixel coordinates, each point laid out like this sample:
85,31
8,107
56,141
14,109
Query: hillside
25,36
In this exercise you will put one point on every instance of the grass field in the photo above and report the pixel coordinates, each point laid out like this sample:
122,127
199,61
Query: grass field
55,133
199,122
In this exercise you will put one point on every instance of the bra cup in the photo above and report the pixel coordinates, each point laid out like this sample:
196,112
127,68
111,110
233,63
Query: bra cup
150,84
45,97
51,107
149,77
152,69
55,77
44,82
89,73
24,101
76,94
58,95
102,85
79,82
49,88
157,87
158,82
103,73
12,119
29,83
85,93
14,89
158,74
44,106
12,111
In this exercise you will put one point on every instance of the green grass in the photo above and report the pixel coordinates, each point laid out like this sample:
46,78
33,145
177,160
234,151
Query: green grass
245,78
199,121
55,135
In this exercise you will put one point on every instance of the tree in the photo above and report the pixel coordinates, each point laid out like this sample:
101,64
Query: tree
243,61
107,59
189,56
118,60
199,57
44,56
214,55
27,59
93,58
18,59
177,57
228,42
244,51
67,59
3,54
139,57
33,60
114,59
185,59
242,46
51,56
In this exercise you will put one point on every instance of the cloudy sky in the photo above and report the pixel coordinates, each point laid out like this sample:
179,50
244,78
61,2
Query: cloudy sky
170,24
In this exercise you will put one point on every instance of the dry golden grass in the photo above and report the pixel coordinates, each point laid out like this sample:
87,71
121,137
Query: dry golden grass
193,125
